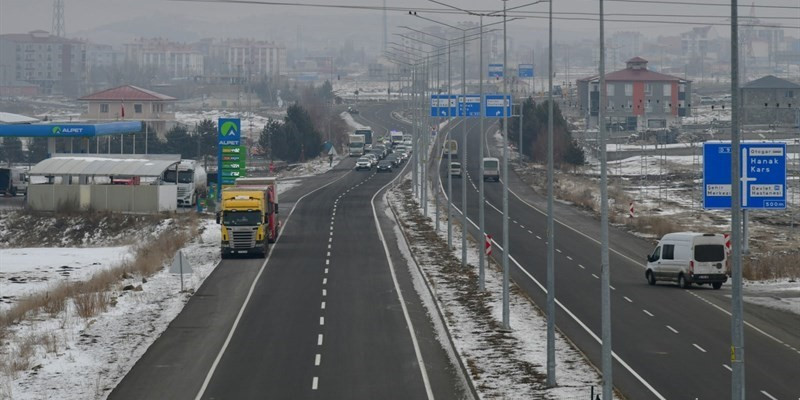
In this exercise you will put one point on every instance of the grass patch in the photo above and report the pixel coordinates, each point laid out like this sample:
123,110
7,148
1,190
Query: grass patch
772,266
657,226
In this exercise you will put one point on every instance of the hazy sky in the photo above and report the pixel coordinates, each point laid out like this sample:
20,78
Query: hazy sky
115,20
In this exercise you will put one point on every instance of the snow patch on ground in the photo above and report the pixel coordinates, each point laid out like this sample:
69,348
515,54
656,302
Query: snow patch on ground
24,271
86,358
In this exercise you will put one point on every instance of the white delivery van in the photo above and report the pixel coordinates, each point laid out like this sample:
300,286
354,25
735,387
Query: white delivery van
491,169
687,258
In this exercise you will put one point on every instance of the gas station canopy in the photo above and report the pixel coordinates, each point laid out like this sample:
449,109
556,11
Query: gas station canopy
67,130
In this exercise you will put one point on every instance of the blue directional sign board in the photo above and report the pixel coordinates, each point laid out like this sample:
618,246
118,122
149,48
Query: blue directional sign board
763,175
494,105
495,70
440,104
525,70
471,107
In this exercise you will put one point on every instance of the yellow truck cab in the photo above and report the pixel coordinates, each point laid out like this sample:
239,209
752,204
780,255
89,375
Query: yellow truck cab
248,216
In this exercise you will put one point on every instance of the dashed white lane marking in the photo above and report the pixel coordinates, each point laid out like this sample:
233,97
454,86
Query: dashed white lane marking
331,233
324,281
672,329
595,276
330,240
522,226
530,231
699,348
612,288
627,299
327,262
322,306
319,340
326,271
324,292
727,367
322,320
329,254
569,258
329,246
769,396
581,265
558,250
317,360
648,313
538,237
331,227
515,221
314,383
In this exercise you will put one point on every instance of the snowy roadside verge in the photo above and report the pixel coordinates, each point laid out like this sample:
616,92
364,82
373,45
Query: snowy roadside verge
500,363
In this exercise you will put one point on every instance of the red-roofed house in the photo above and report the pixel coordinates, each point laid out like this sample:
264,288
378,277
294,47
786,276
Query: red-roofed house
137,103
636,98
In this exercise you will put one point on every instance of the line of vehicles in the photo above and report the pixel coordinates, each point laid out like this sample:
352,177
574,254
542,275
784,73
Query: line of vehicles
385,156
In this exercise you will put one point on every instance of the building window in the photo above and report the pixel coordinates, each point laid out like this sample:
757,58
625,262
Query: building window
609,89
104,108
789,94
137,108
648,89
610,105
667,90
681,88
667,108
628,89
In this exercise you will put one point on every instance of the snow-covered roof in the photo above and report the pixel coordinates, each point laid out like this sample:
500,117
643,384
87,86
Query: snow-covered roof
106,165
9,118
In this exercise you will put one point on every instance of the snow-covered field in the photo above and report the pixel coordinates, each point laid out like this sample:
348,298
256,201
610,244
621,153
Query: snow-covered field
79,358
25,271
252,124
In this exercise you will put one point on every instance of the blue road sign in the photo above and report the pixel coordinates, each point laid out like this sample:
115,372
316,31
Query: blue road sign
473,105
525,70
495,70
763,175
494,105
440,103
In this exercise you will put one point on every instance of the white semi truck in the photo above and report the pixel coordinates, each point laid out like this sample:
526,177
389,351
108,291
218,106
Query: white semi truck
355,146
192,181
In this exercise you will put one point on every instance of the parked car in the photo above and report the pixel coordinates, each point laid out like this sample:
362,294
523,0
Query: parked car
687,258
455,169
384,166
363,163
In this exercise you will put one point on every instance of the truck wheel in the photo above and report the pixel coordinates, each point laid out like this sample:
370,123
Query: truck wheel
651,278
716,285
682,282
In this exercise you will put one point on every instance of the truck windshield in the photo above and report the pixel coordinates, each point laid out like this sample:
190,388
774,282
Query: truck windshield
183,176
357,145
241,218
709,252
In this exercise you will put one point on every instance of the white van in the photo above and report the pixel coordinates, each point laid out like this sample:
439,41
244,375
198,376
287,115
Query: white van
687,258
491,169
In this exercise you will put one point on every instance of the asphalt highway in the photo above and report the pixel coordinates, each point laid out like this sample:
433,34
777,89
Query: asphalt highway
331,314
667,342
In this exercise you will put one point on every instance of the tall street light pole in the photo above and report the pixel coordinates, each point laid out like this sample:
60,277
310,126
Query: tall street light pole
506,311
605,276
551,281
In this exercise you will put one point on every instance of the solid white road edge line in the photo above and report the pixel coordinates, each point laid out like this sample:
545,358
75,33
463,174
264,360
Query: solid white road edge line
417,351
253,287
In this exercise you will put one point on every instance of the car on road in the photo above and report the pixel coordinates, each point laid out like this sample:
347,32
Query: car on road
403,155
373,159
363,163
395,159
491,169
455,169
384,166
383,149
377,153
687,258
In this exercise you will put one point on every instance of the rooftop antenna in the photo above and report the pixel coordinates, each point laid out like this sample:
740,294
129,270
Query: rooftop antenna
58,18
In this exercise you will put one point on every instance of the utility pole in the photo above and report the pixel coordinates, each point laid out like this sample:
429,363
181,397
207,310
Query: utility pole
464,226
482,254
